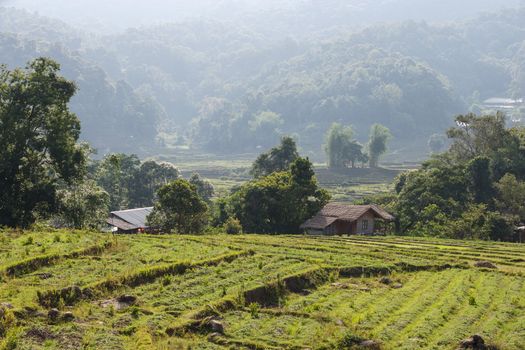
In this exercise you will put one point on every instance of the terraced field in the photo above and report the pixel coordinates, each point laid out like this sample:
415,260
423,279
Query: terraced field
80,290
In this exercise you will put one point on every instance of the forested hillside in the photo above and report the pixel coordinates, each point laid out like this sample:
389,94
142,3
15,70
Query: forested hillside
238,84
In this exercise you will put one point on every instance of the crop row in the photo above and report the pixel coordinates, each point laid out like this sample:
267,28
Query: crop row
431,310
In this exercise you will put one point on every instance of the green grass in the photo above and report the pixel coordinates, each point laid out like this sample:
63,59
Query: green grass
313,292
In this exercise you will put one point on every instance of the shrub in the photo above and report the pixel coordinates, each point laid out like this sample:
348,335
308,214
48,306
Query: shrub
28,241
254,309
233,226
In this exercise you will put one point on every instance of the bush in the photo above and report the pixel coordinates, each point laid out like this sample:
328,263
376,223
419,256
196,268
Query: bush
233,226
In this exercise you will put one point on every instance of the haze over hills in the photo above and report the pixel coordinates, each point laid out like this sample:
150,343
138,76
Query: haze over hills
121,14
231,77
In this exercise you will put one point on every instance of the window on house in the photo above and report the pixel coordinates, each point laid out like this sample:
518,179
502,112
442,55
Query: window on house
365,224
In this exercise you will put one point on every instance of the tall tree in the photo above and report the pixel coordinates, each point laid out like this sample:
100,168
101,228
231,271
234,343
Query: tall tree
510,198
82,205
38,140
479,177
341,148
436,143
147,179
279,202
204,188
179,208
478,135
277,159
337,139
116,174
377,144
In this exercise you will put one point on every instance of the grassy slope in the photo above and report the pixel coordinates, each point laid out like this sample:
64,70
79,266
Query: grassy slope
313,291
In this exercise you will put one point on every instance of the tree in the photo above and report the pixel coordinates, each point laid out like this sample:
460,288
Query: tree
83,205
434,184
478,136
131,183
377,144
38,140
479,177
477,222
116,173
204,188
341,148
436,143
147,180
265,127
277,159
510,198
279,202
179,208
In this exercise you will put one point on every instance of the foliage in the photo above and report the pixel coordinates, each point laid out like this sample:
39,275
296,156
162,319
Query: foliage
129,182
82,205
233,226
277,159
38,138
377,144
460,193
204,188
149,178
479,223
179,208
436,143
477,136
115,174
235,86
510,195
341,148
479,176
279,202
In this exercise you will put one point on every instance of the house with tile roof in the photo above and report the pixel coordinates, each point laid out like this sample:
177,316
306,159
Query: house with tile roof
338,219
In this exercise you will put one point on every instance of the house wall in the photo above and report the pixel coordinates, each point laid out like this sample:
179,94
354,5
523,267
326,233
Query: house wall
314,232
343,227
367,229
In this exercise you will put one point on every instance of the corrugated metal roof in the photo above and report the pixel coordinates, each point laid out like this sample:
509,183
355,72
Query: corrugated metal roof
135,217
120,224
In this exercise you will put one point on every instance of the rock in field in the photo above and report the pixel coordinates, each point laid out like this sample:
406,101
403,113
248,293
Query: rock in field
53,314
370,344
475,342
385,280
6,305
216,326
68,316
127,299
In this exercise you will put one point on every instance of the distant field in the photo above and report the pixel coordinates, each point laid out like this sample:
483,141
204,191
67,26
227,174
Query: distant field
343,184
266,292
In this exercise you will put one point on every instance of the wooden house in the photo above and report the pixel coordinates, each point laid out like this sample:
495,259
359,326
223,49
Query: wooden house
338,219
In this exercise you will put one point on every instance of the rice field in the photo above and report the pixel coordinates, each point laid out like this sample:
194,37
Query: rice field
82,290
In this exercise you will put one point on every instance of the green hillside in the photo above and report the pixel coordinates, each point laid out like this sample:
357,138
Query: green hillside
256,292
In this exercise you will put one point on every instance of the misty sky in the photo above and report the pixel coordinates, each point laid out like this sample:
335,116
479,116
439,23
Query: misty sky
121,14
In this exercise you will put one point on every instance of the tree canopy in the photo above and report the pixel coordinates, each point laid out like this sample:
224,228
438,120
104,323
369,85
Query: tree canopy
469,191
179,209
377,144
279,158
341,148
279,202
38,139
